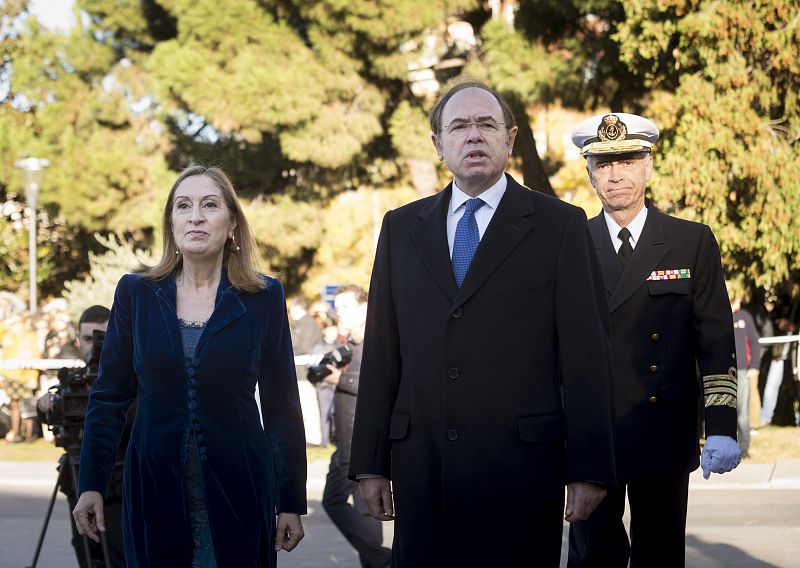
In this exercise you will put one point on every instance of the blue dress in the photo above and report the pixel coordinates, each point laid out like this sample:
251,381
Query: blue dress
203,547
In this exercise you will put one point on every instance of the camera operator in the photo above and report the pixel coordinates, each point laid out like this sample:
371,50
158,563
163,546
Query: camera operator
362,531
93,319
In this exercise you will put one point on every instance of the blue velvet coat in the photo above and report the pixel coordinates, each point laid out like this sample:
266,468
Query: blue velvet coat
249,472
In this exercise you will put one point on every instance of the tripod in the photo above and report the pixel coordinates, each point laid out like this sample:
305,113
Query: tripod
69,462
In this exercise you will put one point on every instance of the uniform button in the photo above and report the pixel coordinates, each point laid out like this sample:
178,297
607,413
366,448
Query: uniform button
733,355
195,361
452,435
653,399
199,438
452,373
192,383
192,393
202,450
190,371
653,368
203,457
458,313
655,337
192,405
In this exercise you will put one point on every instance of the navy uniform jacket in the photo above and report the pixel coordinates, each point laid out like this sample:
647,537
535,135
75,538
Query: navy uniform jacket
249,472
662,331
480,403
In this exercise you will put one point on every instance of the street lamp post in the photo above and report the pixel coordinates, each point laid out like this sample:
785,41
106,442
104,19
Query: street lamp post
33,172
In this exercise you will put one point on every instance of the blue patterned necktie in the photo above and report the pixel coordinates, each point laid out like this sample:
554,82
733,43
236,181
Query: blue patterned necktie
467,239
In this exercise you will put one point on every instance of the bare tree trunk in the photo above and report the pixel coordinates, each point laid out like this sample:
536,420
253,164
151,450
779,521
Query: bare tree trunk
533,174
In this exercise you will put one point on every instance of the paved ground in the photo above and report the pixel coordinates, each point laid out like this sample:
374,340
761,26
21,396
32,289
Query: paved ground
749,518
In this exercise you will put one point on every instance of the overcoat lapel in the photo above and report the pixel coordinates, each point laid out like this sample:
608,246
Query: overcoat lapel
509,225
646,256
609,261
228,307
166,294
430,237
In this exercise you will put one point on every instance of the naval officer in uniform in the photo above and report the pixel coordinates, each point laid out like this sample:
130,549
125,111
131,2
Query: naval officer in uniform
670,320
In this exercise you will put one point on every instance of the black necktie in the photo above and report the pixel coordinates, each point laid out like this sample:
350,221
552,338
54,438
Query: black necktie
626,250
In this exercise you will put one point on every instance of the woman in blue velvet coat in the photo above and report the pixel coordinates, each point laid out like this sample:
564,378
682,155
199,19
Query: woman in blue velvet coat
205,484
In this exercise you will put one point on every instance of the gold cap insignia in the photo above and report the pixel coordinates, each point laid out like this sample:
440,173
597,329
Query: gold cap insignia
611,128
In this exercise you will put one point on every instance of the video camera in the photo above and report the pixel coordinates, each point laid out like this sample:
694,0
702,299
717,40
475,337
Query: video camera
70,398
338,358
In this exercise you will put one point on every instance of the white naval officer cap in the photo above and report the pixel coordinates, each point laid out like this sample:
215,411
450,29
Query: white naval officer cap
614,133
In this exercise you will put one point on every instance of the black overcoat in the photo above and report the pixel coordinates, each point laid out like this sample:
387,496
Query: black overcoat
662,331
249,472
480,403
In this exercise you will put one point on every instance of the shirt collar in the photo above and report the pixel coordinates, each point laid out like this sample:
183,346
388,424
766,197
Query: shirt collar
635,227
490,197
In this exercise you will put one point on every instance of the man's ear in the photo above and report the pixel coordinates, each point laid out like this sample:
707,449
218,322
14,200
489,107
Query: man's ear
435,140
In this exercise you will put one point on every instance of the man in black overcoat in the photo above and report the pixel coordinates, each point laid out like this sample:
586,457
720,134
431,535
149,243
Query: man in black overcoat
670,320
485,382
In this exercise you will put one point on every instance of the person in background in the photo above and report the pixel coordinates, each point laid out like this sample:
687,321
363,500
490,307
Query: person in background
327,387
362,531
748,362
94,318
19,341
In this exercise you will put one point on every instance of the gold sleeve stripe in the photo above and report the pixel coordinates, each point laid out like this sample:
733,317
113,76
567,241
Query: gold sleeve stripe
720,390
720,400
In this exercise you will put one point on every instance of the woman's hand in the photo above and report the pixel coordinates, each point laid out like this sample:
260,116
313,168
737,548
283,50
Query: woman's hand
88,515
290,531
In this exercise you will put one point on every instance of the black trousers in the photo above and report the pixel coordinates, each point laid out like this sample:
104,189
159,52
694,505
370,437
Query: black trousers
658,527
355,523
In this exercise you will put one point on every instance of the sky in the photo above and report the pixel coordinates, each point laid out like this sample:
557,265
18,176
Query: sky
54,14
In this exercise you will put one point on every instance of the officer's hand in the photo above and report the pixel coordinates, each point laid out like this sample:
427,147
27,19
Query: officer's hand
333,378
377,494
88,515
752,374
582,498
290,531
720,454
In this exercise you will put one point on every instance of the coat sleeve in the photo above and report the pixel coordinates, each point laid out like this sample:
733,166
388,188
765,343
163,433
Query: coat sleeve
280,407
584,351
381,368
715,344
112,393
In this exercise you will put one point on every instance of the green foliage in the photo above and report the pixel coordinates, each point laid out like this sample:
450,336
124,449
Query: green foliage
349,232
729,153
410,132
308,105
121,257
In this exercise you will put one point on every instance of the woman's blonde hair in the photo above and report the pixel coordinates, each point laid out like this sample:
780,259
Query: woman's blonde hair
242,262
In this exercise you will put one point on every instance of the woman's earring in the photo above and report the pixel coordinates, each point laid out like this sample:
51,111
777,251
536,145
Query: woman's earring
233,240
177,252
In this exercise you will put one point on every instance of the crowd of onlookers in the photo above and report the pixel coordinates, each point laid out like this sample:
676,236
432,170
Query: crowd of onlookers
48,334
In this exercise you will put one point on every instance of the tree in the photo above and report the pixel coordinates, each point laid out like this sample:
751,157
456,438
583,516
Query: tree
106,268
725,80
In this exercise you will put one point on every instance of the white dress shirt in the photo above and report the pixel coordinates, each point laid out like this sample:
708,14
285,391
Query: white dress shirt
491,198
635,227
